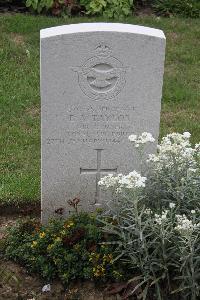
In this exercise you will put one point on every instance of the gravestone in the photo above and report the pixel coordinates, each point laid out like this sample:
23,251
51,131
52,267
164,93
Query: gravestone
100,83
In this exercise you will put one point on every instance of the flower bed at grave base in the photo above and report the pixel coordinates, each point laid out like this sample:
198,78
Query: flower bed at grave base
147,239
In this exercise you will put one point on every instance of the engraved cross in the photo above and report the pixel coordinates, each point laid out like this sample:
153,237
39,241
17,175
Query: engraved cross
98,171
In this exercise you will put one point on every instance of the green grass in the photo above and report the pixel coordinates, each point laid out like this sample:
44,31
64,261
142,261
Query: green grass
20,100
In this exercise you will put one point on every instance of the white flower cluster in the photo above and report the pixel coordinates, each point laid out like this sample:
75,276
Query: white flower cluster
184,224
174,145
159,219
172,205
131,181
142,139
109,181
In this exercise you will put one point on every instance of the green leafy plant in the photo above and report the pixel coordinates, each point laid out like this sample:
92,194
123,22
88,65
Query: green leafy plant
68,249
186,8
39,5
108,8
56,7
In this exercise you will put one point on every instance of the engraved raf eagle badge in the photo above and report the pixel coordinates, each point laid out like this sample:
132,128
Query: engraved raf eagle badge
102,76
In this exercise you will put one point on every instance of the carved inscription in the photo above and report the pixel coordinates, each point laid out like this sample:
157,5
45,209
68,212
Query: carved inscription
95,124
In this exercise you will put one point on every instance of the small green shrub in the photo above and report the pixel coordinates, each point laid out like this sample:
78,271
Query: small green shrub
55,7
39,5
186,8
108,8
67,249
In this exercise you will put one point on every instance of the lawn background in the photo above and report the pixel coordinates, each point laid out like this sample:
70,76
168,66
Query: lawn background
20,95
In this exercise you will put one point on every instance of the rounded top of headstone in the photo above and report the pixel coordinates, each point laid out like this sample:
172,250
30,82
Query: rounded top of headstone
100,27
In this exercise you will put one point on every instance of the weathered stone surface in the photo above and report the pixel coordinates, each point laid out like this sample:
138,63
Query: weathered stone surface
100,83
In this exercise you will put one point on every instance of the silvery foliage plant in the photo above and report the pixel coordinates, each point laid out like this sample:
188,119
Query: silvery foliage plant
155,218
174,173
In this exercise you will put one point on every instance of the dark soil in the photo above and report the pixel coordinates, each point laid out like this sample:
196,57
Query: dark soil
16,6
21,210
17,284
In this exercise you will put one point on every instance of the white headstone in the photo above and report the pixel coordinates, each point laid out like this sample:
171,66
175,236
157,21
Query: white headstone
100,83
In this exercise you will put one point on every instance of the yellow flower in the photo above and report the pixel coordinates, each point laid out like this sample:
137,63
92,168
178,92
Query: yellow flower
50,246
107,258
102,270
68,225
42,235
99,271
34,244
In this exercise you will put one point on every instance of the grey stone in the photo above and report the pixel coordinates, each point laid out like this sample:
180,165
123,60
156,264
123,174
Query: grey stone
100,83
